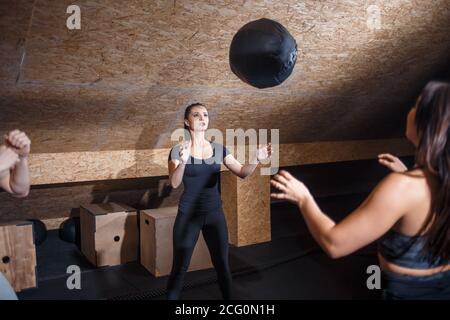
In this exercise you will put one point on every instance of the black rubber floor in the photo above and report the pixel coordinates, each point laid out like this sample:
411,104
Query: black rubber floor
291,266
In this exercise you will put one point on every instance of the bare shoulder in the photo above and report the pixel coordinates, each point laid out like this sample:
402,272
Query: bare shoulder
409,187
404,180
414,180
395,180
416,172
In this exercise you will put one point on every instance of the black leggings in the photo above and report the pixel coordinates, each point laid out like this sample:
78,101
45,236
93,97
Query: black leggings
185,235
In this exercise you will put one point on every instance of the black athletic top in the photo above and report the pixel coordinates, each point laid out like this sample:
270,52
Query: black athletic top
201,180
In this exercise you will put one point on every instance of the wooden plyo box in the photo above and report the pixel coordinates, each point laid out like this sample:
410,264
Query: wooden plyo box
246,204
109,233
18,254
157,245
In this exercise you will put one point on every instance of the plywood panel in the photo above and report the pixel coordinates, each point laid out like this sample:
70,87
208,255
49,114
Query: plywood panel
157,245
86,119
121,82
87,225
309,153
18,254
116,238
246,208
87,166
15,28
174,43
109,233
55,203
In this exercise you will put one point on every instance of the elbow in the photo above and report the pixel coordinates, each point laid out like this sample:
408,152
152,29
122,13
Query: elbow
173,184
19,191
21,194
333,253
243,175
332,249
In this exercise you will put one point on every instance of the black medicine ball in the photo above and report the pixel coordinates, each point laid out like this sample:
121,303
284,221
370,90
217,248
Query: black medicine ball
39,231
69,230
263,53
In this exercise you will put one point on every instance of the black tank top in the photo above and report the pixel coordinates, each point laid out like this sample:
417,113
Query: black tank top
201,181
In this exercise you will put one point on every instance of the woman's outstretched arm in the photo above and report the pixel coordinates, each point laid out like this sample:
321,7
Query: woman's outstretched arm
387,203
243,171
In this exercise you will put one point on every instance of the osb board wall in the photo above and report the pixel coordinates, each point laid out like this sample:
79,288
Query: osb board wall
51,168
120,83
54,203
61,196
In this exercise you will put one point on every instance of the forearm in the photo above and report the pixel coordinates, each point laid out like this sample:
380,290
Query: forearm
247,170
177,176
20,178
319,224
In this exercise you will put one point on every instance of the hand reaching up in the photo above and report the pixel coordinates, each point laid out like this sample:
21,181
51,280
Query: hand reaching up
185,151
264,152
19,142
392,162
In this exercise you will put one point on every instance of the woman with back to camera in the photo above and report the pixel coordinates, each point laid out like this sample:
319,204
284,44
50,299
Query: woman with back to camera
196,163
409,210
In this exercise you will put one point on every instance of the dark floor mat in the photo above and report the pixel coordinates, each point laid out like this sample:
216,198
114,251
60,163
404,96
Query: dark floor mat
55,255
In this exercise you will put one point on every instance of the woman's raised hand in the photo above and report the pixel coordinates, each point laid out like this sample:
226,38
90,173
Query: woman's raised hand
290,188
264,152
19,142
392,162
185,151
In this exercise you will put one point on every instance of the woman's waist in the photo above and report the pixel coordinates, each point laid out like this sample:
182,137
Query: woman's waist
408,252
392,267
204,193
200,201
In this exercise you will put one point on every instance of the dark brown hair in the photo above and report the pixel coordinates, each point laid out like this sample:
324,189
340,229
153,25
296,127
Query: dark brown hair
432,122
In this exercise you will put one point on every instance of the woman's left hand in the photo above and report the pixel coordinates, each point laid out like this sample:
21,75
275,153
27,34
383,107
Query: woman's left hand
264,152
291,189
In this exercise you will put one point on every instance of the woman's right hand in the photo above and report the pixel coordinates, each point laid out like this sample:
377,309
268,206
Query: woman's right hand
392,162
185,151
